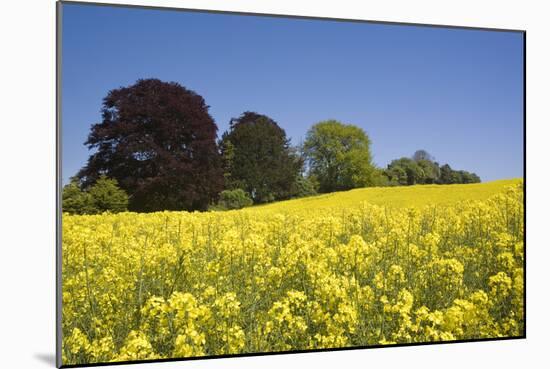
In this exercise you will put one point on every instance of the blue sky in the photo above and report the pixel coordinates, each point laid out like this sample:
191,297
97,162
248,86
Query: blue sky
456,93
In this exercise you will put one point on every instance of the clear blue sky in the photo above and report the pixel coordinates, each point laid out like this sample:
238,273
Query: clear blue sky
456,93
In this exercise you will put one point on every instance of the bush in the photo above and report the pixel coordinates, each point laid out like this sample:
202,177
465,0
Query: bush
76,201
380,179
107,196
234,199
104,195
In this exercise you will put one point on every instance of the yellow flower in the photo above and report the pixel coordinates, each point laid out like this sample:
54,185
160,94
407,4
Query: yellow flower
362,267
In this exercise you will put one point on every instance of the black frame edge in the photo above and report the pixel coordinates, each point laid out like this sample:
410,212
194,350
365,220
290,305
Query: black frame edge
269,15
291,352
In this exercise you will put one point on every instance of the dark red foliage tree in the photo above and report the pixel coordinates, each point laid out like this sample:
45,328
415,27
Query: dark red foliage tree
158,141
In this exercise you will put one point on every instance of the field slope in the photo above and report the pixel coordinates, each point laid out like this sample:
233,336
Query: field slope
397,197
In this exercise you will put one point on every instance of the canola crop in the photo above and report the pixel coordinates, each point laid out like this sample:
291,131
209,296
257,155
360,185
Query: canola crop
320,272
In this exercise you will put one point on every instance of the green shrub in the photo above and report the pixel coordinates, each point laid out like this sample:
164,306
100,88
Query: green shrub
104,195
76,201
234,199
107,196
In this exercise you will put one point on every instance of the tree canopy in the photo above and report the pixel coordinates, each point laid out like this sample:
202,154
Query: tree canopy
258,158
158,141
404,171
422,169
338,156
420,155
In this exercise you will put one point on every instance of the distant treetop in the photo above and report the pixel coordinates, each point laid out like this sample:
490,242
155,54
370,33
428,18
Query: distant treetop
422,169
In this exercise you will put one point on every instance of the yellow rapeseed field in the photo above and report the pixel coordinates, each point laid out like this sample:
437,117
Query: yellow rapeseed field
362,267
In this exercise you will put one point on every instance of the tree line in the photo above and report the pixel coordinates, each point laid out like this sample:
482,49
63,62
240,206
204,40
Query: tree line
156,148
421,168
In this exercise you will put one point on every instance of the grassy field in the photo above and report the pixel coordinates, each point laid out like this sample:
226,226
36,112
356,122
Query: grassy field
363,267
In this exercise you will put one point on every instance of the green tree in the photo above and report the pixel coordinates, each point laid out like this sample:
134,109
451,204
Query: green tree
76,201
380,178
450,176
339,156
475,178
234,199
228,155
446,175
304,186
422,155
405,171
430,171
107,196
397,176
258,158
467,177
426,162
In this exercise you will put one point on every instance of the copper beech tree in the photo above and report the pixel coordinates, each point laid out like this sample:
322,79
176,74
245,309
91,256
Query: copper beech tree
158,140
